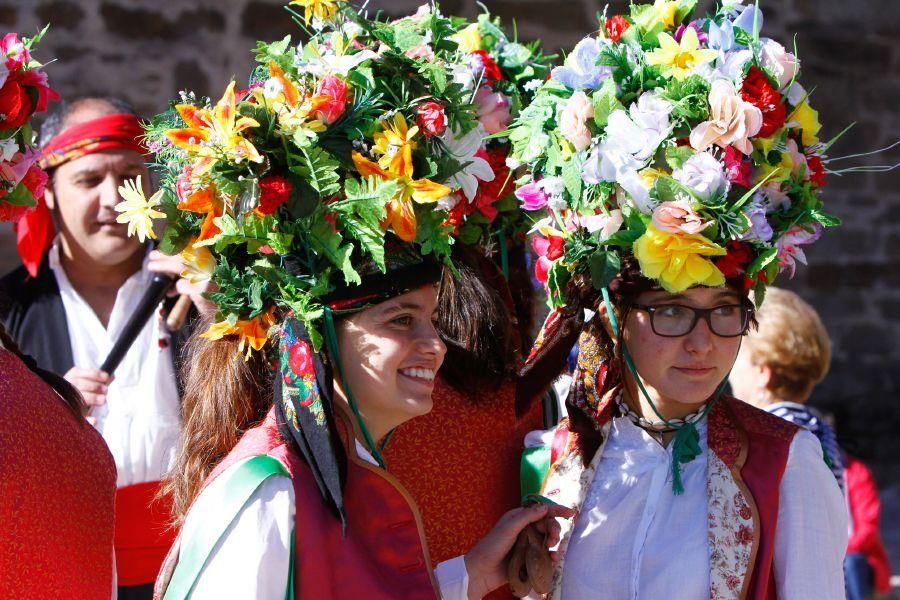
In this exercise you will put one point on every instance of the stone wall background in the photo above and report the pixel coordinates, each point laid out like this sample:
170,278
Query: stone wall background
148,50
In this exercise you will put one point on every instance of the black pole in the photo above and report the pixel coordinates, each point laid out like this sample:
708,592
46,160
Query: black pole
145,309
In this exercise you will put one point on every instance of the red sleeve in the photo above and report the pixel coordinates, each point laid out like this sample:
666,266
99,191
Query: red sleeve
865,511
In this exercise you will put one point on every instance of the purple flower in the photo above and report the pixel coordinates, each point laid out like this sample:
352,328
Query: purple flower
580,70
532,196
695,25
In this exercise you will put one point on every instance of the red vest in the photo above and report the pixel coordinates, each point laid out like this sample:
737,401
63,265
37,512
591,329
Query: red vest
57,485
144,532
382,556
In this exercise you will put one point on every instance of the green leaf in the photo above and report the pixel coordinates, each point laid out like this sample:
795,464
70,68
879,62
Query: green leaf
825,219
605,102
677,155
432,233
469,234
762,261
319,168
255,232
571,175
557,278
20,196
328,243
361,211
604,266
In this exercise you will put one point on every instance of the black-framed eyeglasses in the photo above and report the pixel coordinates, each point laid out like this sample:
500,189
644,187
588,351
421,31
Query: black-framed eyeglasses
676,320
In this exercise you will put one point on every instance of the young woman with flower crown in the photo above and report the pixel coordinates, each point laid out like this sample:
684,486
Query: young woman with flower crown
310,201
682,174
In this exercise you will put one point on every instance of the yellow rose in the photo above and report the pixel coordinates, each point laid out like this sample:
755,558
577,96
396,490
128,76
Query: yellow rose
678,260
469,39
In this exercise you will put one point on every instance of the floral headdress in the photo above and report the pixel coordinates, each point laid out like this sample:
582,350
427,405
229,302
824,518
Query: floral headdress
689,144
322,188
23,92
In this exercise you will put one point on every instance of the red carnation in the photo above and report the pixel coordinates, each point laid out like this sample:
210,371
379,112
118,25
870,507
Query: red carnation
35,180
431,119
489,192
616,26
737,169
816,170
491,69
733,264
758,91
15,103
274,191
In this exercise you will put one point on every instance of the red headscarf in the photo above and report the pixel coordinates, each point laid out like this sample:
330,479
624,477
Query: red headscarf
35,230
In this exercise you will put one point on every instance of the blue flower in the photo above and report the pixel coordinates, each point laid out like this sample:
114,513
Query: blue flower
580,70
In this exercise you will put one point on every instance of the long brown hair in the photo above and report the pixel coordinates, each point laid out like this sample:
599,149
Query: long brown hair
66,390
224,396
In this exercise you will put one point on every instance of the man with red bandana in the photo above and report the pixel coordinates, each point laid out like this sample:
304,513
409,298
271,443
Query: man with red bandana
68,303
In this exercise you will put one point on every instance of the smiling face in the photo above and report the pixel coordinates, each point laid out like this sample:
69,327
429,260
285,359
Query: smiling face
84,193
390,354
681,370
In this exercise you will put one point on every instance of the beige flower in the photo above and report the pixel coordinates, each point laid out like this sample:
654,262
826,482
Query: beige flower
678,217
573,120
732,120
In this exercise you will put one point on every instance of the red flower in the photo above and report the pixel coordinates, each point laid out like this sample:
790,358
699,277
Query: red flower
300,359
616,26
489,192
11,212
816,170
15,103
737,169
331,98
739,256
431,119
38,80
548,250
35,180
758,91
274,191
492,71
744,535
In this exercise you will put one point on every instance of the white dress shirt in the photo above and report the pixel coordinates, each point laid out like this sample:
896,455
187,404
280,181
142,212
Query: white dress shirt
252,558
141,420
635,539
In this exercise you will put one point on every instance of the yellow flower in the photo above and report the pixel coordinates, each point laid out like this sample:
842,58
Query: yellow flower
401,214
322,10
807,120
650,175
395,145
199,263
137,210
680,60
212,133
662,11
678,260
252,333
469,39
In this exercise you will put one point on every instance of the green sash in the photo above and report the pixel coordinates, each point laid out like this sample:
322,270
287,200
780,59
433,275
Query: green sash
239,485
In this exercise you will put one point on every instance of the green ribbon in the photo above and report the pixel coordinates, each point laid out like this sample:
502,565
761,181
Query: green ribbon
686,445
504,254
332,343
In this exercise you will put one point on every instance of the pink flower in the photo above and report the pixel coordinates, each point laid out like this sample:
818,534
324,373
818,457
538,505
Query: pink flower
493,110
548,250
431,119
574,118
38,80
421,51
606,224
678,216
732,120
737,170
15,170
15,52
789,250
532,196
332,94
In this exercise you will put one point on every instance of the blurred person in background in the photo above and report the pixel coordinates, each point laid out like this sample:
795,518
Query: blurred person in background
779,365
74,294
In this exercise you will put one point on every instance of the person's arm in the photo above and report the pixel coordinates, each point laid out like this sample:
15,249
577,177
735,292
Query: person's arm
252,559
811,538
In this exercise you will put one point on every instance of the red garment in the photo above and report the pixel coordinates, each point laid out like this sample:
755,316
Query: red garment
57,488
144,532
383,555
460,462
865,514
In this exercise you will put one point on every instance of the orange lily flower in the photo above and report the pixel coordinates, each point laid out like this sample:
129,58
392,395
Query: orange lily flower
253,333
395,145
206,201
401,215
212,133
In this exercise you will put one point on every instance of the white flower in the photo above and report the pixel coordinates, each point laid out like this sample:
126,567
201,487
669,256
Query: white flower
704,175
448,203
606,224
463,149
795,94
631,140
782,64
4,73
8,149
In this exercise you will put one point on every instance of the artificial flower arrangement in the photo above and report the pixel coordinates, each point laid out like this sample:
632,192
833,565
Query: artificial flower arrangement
23,92
369,131
689,143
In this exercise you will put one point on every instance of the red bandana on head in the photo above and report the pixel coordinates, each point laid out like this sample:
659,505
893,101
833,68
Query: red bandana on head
35,230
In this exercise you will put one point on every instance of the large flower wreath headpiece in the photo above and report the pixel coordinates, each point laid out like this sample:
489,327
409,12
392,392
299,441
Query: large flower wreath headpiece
689,144
321,189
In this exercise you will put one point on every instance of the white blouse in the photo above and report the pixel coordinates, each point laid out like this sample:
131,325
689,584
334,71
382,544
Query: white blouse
252,559
635,539
141,419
